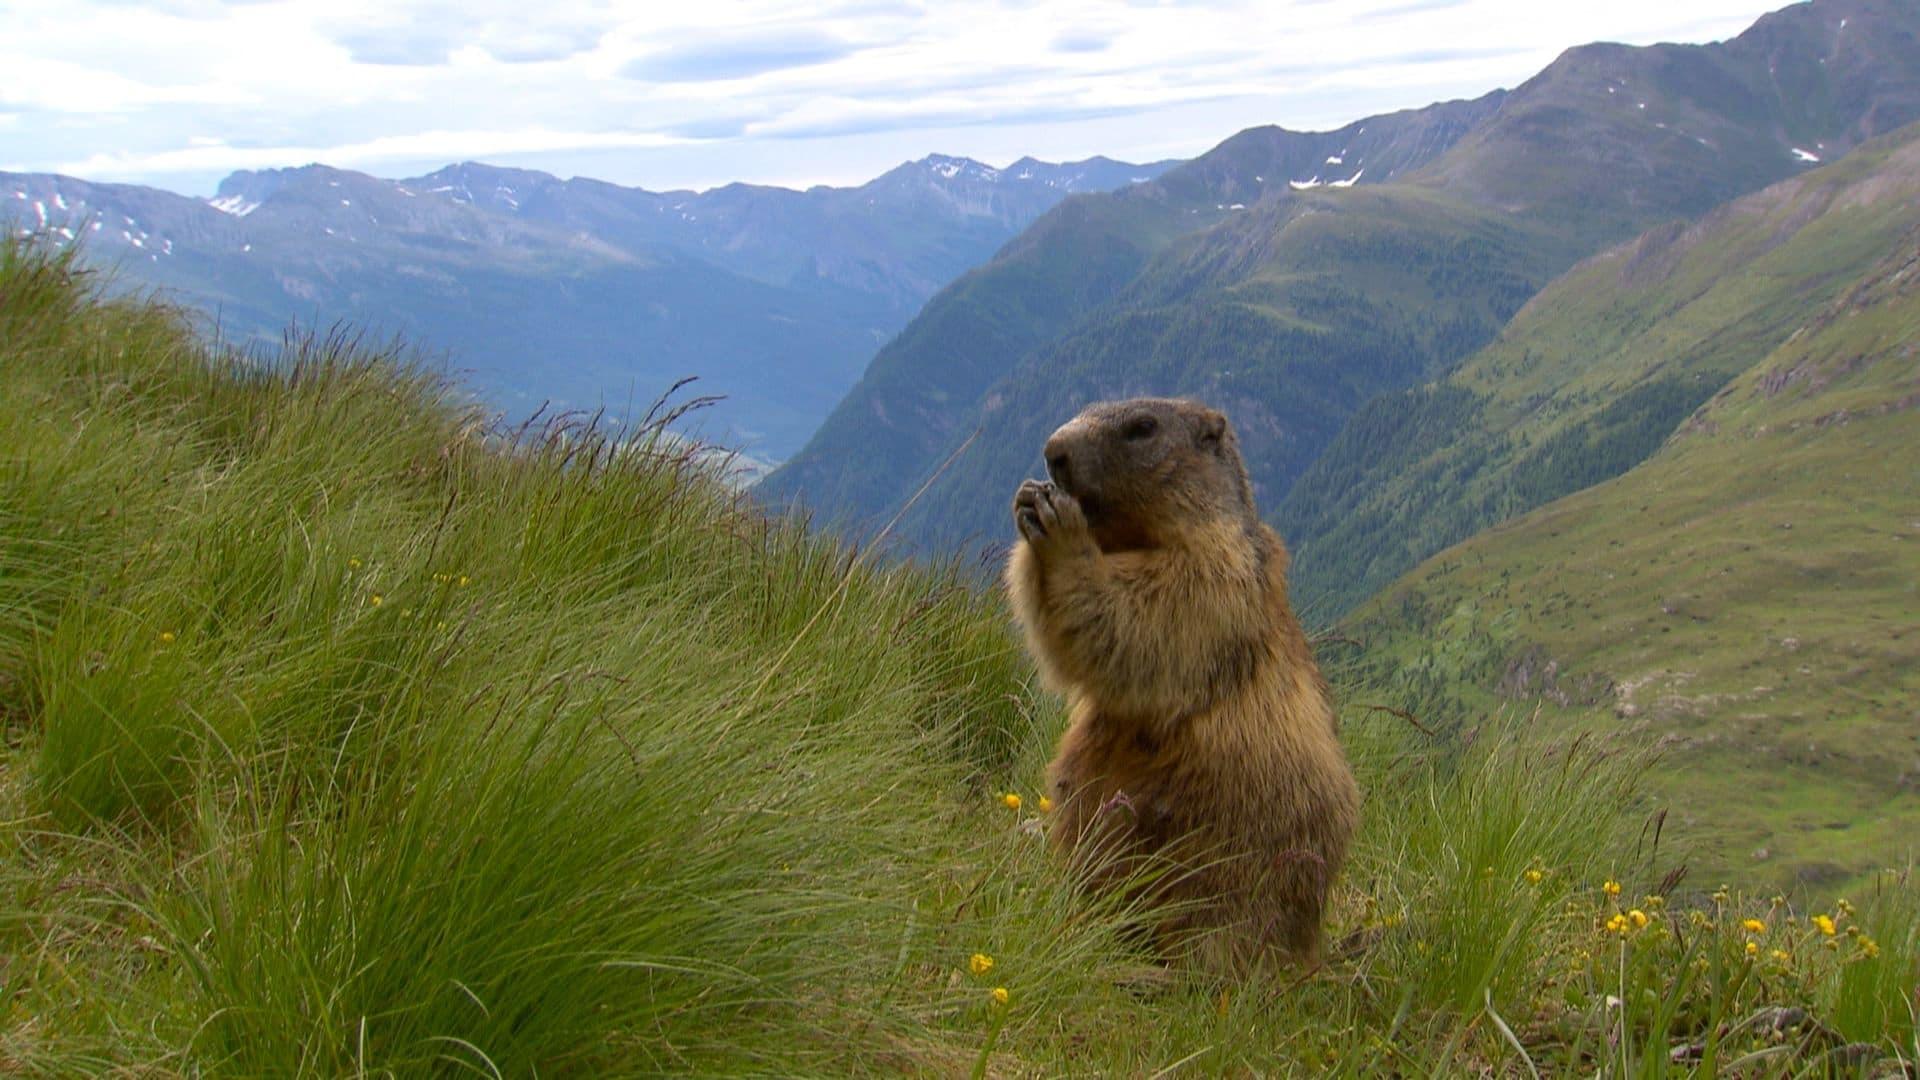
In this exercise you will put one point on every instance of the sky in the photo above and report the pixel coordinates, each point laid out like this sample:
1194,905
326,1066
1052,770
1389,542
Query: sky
698,93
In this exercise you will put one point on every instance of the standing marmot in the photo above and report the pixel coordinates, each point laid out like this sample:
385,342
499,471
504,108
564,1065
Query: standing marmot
1156,599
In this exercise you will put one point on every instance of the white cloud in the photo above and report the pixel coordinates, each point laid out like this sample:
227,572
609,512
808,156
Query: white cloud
758,90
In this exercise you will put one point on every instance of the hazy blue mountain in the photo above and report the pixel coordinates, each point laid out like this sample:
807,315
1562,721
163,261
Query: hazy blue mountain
576,293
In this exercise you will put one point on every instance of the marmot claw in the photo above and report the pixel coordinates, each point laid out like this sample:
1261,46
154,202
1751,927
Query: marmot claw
1044,513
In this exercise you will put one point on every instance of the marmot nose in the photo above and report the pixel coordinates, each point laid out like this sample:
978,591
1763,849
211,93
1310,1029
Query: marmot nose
1059,468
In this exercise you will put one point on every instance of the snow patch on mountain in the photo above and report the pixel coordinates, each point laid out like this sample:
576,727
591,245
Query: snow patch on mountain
237,205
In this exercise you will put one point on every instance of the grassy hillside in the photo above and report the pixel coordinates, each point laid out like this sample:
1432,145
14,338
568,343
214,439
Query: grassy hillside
347,737
1745,599
1594,373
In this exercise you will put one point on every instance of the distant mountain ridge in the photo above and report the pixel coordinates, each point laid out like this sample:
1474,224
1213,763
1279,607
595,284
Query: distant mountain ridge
774,297
1293,302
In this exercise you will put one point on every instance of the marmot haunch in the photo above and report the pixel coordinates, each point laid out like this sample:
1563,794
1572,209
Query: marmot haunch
1201,732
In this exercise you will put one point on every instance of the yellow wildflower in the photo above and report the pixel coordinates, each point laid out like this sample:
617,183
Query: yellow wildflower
1753,926
1639,919
1825,923
1753,948
1012,800
1617,925
1844,907
1045,804
1000,995
1781,956
1611,888
465,581
166,637
376,600
980,964
353,564
1869,948
1534,876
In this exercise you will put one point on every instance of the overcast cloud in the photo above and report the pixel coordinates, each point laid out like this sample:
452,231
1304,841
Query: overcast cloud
177,93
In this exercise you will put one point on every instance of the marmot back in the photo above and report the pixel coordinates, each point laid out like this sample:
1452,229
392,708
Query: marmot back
1154,597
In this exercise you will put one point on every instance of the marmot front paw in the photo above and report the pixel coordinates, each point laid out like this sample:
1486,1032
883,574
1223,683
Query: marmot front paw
1047,517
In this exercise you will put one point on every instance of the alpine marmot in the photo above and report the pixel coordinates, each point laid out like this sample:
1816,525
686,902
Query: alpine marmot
1201,736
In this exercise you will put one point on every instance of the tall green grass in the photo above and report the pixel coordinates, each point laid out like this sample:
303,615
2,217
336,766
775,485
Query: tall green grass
349,733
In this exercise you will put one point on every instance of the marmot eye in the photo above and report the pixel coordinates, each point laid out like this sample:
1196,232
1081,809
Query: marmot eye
1141,428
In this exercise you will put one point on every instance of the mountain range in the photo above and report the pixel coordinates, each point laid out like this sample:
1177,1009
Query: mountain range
1296,278
575,293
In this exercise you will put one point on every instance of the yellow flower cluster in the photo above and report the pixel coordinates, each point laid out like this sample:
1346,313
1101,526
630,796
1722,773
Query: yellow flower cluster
1611,888
1012,801
1622,923
980,963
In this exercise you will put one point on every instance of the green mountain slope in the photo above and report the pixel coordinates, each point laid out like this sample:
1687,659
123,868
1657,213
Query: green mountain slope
1545,175
425,751
1352,292
1591,377
919,397
1747,597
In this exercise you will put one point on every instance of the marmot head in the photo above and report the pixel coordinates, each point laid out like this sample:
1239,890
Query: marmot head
1144,468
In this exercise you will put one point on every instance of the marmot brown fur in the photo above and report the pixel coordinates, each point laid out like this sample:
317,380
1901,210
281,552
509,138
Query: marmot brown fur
1201,732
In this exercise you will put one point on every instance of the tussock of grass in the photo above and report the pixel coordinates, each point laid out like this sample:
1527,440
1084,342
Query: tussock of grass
347,735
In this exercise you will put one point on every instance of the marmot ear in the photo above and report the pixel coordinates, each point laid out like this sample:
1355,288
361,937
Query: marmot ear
1213,428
